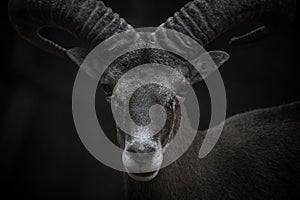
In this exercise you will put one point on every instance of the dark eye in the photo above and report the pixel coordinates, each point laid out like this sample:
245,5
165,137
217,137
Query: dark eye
107,89
182,90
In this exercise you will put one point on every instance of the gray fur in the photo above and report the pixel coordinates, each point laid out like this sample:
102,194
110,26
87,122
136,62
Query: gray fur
257,157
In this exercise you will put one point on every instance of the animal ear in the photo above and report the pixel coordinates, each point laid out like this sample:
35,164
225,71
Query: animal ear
77,55
207,63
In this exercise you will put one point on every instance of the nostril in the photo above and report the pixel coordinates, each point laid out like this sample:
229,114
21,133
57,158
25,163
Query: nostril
141,149
131,149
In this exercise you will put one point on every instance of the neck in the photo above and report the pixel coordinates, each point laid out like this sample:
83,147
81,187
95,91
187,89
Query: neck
177,175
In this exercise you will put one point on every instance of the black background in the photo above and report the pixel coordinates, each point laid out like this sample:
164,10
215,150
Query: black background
41,156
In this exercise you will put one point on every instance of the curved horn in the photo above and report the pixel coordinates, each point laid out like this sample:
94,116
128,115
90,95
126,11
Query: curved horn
204,20
89,20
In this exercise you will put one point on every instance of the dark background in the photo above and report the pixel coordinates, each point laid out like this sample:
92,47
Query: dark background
40,152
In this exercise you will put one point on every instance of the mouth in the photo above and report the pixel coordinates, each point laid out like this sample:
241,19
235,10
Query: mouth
147,176
142,167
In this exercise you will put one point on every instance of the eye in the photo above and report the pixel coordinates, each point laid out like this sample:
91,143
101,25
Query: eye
107,89
182,90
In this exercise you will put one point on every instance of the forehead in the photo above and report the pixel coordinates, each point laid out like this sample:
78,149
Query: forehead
140,57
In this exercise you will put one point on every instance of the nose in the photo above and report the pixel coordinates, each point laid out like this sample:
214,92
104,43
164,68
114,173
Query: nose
141,148
142,156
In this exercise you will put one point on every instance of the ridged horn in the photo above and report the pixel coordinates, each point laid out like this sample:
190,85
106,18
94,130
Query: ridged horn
204,20
88,20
